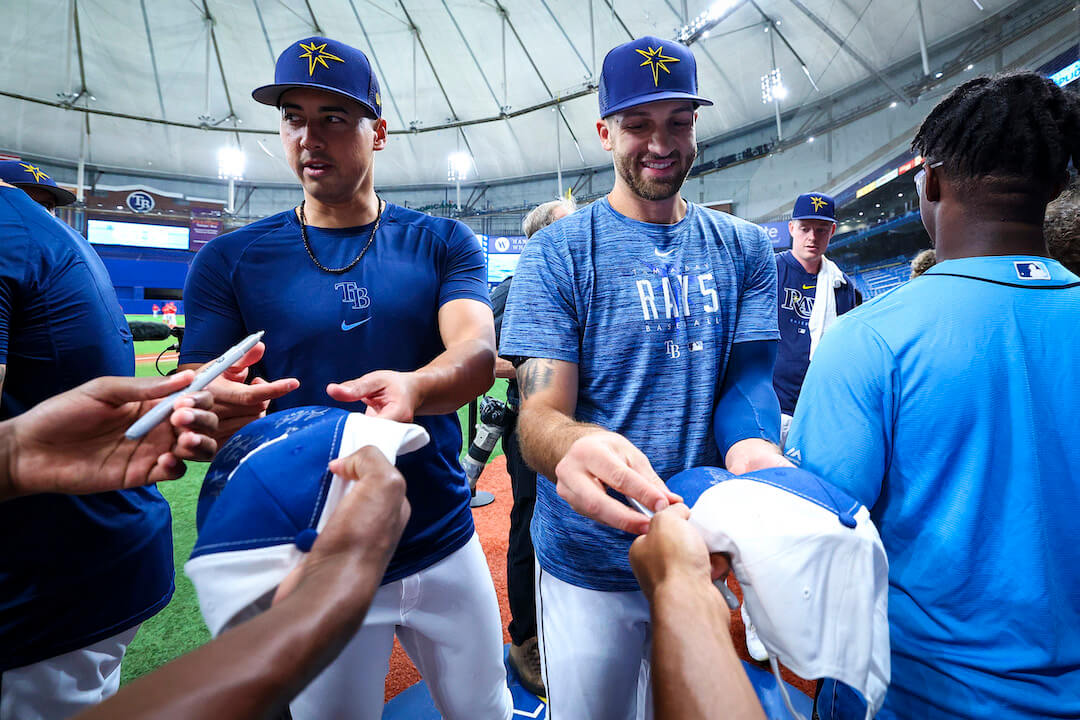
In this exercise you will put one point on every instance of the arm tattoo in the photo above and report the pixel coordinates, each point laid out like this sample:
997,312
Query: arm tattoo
534,375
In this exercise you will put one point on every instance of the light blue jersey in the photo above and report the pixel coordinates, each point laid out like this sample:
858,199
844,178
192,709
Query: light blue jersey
948,407
648,313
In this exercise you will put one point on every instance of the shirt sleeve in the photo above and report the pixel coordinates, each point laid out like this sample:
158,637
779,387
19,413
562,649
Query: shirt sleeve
842,428
213,322
541,317
15,264
757,300
465,270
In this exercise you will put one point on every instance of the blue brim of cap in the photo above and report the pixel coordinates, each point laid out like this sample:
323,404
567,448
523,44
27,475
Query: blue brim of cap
271,94
63,197
656,97
815,217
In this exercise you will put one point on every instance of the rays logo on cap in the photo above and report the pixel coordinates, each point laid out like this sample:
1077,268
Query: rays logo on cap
317,55
627,69
655,59
37,172
817,202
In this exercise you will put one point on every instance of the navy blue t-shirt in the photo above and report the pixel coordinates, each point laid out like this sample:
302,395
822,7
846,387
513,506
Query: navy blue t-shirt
795,289
323,328
73,570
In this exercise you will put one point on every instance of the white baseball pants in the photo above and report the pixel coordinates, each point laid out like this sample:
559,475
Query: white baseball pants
67,684
447,618
594,651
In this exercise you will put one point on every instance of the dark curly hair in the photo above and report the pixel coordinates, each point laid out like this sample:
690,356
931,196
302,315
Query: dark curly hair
1017,130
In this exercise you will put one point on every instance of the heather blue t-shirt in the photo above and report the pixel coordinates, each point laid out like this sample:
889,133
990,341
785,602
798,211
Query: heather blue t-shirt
323,328
648,313
955,397
795,291
73,569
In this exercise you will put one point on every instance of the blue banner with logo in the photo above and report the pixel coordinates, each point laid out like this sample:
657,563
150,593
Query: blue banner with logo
778,234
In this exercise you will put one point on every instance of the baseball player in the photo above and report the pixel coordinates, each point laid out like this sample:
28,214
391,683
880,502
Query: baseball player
632,321
524,653
36,183
949,393
374,306
78,574
812,291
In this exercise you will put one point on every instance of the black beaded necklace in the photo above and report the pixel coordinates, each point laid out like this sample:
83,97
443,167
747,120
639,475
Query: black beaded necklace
350,266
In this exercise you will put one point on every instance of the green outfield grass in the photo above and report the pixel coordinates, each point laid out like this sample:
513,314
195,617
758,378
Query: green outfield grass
179,628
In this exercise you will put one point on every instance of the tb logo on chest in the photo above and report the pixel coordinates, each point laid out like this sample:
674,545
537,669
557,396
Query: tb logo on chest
354,295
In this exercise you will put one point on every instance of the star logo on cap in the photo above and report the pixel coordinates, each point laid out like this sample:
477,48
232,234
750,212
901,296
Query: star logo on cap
817,202
655,59
317,55
35,171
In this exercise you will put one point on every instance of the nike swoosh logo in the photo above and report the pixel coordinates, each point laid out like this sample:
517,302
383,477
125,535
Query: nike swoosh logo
666,254
349,326
809,287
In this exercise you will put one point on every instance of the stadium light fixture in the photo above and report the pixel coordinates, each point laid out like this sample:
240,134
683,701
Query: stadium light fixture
706,21
772,86
231,163
458,166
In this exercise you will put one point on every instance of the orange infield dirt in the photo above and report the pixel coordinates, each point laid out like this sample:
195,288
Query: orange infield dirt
493,526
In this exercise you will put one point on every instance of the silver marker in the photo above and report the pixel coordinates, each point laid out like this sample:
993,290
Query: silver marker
202,378
729,596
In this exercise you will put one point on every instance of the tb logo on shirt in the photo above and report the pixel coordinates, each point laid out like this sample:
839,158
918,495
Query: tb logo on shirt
353,297
353,294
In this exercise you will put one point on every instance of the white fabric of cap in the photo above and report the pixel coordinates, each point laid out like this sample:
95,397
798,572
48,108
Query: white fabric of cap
816,591
230,584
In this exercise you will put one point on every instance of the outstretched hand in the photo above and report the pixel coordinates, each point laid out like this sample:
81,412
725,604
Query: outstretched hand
601,460
387,394
74,442
237,402
674,551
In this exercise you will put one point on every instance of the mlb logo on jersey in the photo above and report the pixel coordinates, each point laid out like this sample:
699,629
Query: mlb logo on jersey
1031,270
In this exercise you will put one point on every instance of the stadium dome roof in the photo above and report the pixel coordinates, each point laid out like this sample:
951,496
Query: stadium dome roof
167,84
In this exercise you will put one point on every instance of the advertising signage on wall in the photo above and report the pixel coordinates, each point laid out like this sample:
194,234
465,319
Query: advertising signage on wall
108,232
778,234
206,224
889,176
503,253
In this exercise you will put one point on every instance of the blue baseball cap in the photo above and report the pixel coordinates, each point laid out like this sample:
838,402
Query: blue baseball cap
814,206
323,64
648,70
24,175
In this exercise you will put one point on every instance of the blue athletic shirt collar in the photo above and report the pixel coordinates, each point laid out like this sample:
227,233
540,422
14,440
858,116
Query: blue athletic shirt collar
1007,269
652,228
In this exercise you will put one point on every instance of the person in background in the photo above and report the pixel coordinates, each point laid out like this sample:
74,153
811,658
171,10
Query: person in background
922,262
812,292
520,559
1062,228
36,183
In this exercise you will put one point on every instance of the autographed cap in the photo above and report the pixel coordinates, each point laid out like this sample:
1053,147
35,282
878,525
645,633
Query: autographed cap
648,70
323,64
814,206
813,571
26,175
266,497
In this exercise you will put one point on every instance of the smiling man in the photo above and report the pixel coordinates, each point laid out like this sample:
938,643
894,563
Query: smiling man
370,304
812,291
635,322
